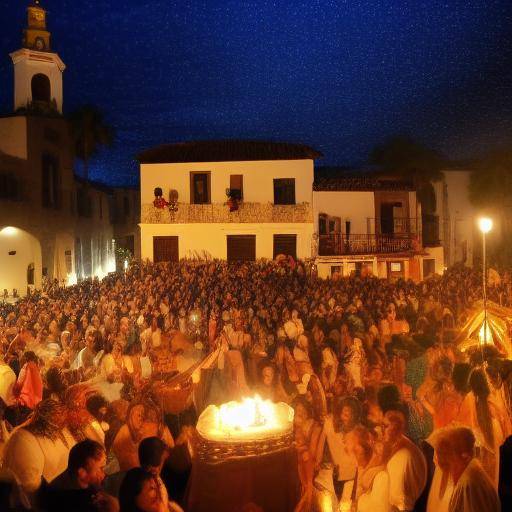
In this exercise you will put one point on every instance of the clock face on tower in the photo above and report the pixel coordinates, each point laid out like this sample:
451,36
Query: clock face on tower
40,44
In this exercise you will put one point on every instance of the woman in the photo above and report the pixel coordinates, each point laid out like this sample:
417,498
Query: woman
307,435
372,492
479,413
140,492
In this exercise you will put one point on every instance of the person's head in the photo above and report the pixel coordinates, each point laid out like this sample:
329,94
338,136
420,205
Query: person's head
360,444
139,492
393,426
349,413
152,454
86,464
454,449
267,375
303,411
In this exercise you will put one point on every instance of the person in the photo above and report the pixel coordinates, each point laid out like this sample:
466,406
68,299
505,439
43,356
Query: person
28,390
346,416
139,493
307,434
372,490
406,464
78,488
45,437
473,490
153,453
7,381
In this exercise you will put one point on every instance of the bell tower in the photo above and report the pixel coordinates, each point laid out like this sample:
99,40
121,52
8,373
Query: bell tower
37,70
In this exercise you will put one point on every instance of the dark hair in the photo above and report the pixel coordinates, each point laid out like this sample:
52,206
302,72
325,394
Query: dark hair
480,388
131,487
387,397
151,450
460,377
82,452
94,403
300,400
351,402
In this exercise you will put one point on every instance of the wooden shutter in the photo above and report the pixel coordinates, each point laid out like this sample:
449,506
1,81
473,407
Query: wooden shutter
285,244
241,247
165,248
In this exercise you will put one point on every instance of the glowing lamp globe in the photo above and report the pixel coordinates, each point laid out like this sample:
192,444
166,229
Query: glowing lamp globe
485,224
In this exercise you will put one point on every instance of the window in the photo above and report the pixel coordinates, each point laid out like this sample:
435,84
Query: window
284,191
236,186
50,182
41,89
429,267
322,224
285,244
200,183
9,186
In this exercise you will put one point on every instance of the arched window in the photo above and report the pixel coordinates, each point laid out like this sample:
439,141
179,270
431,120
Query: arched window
41,89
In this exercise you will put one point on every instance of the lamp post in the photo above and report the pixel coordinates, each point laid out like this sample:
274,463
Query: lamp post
485,225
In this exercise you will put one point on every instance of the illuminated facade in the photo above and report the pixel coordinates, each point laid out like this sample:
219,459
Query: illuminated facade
234,200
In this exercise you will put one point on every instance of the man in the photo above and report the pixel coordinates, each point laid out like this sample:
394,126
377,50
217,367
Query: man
406,466
78,488
153,453
473,490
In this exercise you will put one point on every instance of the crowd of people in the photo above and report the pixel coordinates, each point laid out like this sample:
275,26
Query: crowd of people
389,414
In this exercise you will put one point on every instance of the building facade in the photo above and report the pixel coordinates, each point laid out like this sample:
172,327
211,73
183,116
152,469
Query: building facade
234,200
51,224
366,225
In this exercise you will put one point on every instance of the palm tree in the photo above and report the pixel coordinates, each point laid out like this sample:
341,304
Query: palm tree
90,132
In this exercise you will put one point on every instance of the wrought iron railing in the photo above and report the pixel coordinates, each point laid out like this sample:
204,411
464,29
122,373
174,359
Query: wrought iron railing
186,213
338,244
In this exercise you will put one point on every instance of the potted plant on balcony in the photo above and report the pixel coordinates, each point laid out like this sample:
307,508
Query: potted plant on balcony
173,201
234,197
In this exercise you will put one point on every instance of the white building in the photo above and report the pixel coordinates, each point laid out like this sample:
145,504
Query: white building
370,225
273,214
459,216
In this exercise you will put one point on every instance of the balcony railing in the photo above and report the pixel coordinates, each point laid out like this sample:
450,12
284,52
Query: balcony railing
219,213
338,244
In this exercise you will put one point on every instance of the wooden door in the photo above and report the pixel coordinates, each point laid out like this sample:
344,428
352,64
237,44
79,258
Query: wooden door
241,247
165,248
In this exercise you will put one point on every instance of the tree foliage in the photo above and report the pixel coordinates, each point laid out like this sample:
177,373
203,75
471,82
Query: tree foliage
403,157
90,132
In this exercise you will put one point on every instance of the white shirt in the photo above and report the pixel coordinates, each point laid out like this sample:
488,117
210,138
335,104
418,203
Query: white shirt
7,380
31,457
474,491
376,499
338,449
407,470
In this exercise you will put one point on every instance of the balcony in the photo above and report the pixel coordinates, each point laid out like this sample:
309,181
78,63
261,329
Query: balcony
338,244
219,213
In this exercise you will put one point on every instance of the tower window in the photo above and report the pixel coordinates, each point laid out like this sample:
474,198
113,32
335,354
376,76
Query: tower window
41,89
50,182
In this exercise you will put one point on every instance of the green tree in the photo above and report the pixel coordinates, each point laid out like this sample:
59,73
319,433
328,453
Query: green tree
402,157
90,132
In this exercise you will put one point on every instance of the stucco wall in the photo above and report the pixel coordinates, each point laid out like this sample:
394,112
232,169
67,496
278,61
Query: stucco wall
197,239
13,268
355,207
258,186
13,136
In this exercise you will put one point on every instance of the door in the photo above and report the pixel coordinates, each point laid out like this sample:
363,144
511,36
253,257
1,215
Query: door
285,244
165,248
241,247
387,223
199,187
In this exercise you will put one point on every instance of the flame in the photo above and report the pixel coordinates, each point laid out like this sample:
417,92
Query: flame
250,419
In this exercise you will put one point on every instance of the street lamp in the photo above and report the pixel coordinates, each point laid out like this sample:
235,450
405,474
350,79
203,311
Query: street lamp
485,225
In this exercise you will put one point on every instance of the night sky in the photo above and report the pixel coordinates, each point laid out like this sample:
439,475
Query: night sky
338,75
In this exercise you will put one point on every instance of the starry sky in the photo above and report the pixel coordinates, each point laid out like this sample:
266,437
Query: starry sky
340,75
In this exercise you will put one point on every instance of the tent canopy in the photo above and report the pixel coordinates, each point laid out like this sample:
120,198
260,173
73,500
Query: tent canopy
476,334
